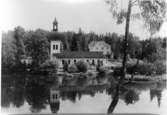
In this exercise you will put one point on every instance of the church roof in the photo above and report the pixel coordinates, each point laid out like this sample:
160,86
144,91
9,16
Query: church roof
80,54
58,36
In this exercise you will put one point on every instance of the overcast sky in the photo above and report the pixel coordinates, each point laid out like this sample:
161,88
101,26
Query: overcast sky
89,15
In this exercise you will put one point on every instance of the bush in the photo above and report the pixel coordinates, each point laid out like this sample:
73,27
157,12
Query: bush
142,68
72,69
65,66
101,71
160,67
49,65
82,66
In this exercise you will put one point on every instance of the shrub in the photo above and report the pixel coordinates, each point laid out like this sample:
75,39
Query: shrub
82,66
49,65
160,67
65,66
142,68
72,69
101,71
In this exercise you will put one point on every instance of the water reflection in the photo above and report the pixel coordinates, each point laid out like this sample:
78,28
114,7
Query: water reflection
41,91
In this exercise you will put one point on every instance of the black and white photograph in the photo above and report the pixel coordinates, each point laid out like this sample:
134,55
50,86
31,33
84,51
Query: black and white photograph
83,57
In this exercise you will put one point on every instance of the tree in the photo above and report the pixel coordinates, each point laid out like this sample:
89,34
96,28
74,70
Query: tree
152,12
153,50
82,66
74,43
19,44
12,49
38,48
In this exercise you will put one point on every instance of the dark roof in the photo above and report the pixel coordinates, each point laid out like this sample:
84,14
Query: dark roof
55,36
69,54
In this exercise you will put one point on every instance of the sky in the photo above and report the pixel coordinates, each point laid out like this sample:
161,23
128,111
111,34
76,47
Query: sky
89,15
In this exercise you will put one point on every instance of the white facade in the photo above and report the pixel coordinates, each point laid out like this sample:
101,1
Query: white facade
89,61
54,96
100,46
55,47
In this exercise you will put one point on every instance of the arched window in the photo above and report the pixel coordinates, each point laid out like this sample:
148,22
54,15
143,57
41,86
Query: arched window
63,62
54,47
68,61
93,62
75,61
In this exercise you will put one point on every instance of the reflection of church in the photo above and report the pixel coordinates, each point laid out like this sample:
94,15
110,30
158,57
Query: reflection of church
156,93
54,100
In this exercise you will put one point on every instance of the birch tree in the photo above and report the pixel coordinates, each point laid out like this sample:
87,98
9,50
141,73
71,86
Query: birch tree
152,12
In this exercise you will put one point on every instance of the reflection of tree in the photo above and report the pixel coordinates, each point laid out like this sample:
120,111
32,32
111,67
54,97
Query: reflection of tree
116,91
115,100
36,95
18,92
131,97
71,95
12,92
156,93
55,107
81,82
5,97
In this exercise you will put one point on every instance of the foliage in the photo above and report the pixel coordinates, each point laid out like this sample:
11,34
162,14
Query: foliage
153,50
18,42
102,71
131,97
49,65
160,67
12,50
82,66
142,68
36,45
72,69
65,66
38,48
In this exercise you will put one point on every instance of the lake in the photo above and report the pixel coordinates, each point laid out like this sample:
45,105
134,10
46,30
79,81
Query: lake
42,94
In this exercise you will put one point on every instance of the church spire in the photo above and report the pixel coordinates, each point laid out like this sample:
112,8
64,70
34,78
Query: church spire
55,25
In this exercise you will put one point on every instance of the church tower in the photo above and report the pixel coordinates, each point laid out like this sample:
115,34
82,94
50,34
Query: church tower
55,25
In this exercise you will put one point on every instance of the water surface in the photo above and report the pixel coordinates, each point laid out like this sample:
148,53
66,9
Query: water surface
36,94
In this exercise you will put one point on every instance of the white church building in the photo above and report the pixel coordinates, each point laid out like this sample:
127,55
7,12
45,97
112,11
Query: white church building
93,57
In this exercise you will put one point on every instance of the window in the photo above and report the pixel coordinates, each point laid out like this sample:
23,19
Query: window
53,96
93,62
74,61
68,61
56,47
63,62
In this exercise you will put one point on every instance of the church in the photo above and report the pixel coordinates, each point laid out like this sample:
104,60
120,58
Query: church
92,57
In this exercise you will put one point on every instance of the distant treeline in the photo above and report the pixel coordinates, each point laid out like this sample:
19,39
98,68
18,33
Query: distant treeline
36,44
